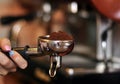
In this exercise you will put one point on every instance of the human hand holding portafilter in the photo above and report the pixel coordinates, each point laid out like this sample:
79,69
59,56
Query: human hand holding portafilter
55,45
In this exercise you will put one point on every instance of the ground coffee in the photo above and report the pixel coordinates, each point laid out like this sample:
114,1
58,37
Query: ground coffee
60,35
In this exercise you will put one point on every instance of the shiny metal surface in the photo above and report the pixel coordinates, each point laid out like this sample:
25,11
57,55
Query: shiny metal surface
56,49
62,47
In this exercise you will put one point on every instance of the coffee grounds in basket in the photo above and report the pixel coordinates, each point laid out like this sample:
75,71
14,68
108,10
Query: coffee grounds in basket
60,35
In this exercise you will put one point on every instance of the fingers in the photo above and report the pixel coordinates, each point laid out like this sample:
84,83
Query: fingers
3,71
9,65
6,62
5,44
18,59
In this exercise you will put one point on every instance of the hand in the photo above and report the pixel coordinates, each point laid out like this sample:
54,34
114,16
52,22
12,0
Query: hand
10,65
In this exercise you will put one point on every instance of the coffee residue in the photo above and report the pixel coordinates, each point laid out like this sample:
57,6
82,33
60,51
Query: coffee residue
60,35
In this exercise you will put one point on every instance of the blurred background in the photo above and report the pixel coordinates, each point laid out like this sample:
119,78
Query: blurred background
96,34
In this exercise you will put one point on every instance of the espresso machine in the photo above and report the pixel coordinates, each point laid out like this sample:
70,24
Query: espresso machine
106,68
106,21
